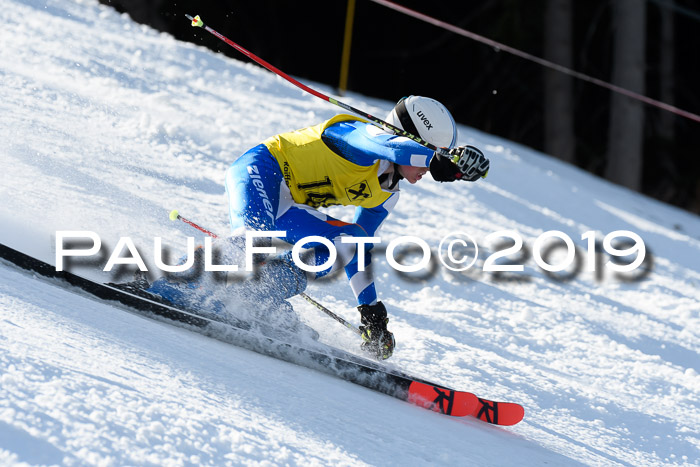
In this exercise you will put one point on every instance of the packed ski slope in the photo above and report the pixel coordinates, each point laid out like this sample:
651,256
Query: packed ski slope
107,125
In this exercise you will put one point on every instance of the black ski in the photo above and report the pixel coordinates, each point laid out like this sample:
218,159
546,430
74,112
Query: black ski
324,358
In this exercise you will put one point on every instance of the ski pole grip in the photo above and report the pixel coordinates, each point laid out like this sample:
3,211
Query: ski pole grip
443,152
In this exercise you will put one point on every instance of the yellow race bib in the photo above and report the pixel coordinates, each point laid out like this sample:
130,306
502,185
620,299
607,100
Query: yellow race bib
317,176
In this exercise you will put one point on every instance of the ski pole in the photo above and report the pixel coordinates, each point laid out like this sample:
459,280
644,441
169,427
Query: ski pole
348,325
197,22
175,216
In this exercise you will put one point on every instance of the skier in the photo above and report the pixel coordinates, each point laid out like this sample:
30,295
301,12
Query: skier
279,185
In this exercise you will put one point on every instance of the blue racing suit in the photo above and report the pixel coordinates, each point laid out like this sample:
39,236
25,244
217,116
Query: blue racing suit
267,190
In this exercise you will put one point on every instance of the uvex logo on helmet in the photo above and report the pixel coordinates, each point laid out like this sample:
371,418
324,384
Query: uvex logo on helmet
424,119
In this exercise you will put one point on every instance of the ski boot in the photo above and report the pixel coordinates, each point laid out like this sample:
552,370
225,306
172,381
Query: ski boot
377,340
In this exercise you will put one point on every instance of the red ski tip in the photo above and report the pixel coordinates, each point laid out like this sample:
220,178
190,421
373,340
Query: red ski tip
463,404
499,413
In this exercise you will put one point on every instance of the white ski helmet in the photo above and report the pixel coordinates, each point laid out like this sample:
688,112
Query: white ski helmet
427,118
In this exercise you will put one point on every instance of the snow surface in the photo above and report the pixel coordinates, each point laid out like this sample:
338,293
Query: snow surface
107,125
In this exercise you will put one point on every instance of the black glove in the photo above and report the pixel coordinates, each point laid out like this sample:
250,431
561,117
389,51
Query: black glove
376,338
461,163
